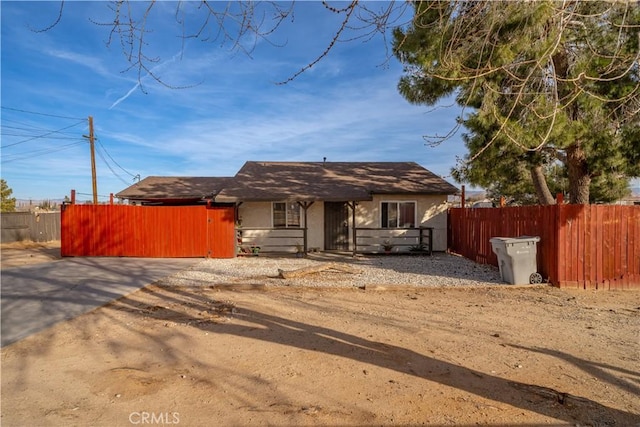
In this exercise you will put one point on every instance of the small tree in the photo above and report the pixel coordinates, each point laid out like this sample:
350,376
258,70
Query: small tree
8,203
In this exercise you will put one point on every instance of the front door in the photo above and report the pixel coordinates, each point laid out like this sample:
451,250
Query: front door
336,226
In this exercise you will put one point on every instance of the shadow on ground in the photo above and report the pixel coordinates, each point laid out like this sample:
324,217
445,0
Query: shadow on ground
187,305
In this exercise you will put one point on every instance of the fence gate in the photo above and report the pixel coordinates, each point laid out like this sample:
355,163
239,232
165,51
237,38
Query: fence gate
221,234
147,231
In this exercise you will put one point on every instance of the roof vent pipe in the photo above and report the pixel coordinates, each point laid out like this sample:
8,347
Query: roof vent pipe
324,162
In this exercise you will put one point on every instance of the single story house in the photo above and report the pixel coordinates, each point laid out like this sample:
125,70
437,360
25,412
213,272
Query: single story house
323,206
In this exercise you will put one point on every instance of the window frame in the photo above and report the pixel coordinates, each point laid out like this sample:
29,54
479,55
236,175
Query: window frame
287,217
397,204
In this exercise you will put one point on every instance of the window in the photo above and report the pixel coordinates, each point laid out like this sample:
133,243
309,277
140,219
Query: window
286,214
398,214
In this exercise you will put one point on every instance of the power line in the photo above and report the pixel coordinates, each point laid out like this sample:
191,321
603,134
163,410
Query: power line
88,194
43,135
31,129
41,114
112,159
109,166
69,138
41,152
27,126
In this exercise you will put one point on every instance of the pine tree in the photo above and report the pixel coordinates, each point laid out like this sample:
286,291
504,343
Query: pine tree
7,203
543,84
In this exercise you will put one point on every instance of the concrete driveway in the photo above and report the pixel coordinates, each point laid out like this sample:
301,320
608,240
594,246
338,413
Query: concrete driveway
35,297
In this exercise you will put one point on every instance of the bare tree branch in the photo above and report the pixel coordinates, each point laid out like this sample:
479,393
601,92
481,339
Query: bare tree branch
56,22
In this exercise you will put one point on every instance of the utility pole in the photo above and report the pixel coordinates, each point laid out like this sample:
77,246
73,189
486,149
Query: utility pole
94,181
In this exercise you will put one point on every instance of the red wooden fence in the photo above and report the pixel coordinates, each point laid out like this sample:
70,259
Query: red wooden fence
148,231
581,246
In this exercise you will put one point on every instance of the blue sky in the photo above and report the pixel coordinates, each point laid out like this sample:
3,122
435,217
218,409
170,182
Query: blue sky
346,108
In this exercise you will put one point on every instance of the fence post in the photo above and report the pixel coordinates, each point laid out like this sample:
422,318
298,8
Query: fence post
560,252
449,230
560,243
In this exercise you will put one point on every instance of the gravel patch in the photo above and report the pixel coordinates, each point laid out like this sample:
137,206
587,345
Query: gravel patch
439,270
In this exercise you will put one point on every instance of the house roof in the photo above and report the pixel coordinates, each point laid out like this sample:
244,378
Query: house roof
174,188
330,181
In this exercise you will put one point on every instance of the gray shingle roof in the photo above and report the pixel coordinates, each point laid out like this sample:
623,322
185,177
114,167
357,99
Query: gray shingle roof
302,181
330,181
174,188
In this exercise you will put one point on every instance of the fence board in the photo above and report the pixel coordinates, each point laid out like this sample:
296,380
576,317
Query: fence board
634,250
588,264
599,278
36,226
606,248
581,246
147,231
620,254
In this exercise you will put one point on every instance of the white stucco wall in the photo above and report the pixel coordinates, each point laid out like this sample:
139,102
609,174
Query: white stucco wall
259,215
432,212
255,214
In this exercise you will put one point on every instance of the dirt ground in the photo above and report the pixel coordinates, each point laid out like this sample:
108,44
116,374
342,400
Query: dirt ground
23,253
250,355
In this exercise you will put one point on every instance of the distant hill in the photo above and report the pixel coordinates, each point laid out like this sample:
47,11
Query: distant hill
28,205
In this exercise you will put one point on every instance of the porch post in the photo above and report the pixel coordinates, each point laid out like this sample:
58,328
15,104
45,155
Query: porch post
354,234
306,229
237,227
305,206
236,212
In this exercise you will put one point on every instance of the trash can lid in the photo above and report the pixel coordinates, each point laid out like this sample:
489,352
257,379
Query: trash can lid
514,239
